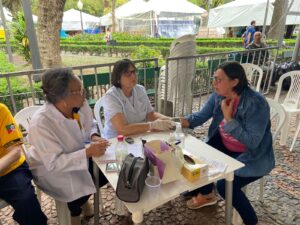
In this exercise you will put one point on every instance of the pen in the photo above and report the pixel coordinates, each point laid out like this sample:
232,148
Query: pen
177,142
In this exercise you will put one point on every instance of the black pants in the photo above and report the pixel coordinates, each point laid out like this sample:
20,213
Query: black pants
17,190
75,206
239,201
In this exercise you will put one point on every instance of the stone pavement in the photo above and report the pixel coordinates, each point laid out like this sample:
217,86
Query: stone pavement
281,204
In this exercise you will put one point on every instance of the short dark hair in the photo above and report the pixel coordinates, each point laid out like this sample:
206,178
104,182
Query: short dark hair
253,22
55,83
234,70
120,67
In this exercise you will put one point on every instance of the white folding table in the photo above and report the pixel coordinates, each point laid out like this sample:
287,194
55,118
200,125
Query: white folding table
172,190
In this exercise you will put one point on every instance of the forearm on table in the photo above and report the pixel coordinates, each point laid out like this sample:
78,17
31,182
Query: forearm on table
134,128
14,153
155,115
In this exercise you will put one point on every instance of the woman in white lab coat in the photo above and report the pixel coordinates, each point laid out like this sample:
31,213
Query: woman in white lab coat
59,131
127,109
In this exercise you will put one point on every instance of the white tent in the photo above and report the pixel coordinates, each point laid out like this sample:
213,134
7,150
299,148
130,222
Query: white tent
72,21
241,12
7,15
130,8
171,18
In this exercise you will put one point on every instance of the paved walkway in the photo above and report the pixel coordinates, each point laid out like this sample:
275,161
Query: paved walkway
281,204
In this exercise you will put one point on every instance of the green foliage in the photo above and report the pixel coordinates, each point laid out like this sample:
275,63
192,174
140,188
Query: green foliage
19,85
89,6
18,30
144,52
5,66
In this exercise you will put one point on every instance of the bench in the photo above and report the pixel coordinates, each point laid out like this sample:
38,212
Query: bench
103,83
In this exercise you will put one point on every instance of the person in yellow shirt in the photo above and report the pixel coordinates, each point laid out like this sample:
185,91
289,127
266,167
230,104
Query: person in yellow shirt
15,176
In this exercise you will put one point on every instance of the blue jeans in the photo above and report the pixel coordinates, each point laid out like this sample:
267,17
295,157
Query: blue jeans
17,190
239,200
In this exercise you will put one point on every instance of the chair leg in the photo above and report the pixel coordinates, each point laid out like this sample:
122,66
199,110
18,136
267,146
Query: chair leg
296,135
244,189
261,189
285,129
63,213
38,194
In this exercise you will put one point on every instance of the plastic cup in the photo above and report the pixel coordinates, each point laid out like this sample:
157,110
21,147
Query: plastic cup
153,184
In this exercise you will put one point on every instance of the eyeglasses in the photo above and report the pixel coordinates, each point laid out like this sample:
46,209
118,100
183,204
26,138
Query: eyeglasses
218,80
80,92
129,73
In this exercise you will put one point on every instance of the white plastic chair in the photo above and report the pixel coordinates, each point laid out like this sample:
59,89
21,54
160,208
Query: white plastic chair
277,117
98,113
23,118
296,135
291,103
254,74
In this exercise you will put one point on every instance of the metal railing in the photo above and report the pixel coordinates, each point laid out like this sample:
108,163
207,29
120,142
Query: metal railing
21,89
165,89
186,80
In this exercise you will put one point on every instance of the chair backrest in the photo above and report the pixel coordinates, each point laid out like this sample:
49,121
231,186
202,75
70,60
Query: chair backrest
99,114
24,116
292,99
277,116
254,74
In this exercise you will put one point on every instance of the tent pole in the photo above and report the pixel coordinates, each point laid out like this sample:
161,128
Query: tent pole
265,19
296,49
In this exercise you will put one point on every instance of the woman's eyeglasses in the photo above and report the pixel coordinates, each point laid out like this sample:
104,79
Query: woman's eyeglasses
80,92
129,73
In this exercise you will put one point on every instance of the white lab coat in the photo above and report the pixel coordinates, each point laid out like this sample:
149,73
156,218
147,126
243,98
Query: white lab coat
116,102
57,157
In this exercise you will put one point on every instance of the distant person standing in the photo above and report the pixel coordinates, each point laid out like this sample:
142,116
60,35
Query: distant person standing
108,36
248,36
230,32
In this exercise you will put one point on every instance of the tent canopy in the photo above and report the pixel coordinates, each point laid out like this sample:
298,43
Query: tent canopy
241,12
161,7
72,21
158,7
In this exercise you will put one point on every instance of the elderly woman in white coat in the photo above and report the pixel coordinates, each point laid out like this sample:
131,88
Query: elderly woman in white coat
127,109
59,161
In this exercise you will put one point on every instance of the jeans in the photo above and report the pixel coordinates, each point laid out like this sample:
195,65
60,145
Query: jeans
17,190
239,201
75,206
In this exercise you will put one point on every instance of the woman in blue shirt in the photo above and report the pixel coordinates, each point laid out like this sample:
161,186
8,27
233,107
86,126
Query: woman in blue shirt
241,129
127,109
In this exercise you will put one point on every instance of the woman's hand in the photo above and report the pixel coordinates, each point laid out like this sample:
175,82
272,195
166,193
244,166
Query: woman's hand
227,108
97,148
161,125
184,122
96,137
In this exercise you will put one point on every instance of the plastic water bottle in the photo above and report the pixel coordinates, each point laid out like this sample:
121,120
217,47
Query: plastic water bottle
121,151
178,134
179,137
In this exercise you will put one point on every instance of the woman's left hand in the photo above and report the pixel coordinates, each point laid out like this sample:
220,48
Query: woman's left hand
96,138
227,108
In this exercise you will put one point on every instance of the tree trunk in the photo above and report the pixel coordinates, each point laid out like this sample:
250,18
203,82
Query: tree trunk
113,15
50,14
277,23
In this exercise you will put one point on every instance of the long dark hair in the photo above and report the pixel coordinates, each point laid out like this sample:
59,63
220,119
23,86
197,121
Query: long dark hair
234,70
